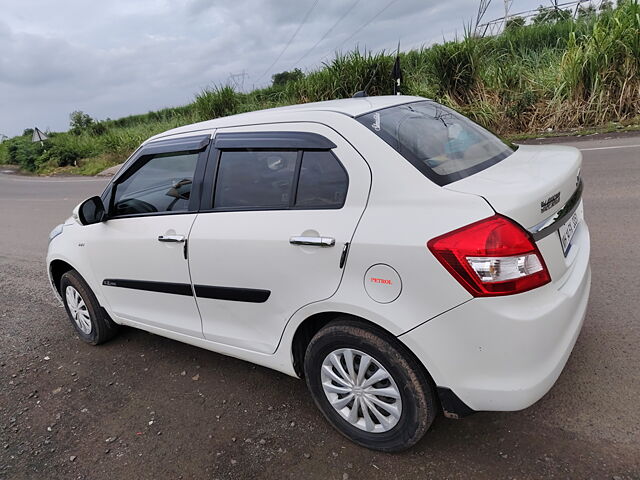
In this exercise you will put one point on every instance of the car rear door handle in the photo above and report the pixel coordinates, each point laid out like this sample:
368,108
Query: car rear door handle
172,238
314,241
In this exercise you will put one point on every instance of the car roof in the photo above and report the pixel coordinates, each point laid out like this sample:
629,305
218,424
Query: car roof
351,107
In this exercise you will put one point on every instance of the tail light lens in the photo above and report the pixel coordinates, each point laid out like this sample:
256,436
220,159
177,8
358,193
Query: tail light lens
492,257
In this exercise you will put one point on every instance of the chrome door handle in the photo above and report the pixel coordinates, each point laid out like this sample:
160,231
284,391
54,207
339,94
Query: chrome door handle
314,241
171,238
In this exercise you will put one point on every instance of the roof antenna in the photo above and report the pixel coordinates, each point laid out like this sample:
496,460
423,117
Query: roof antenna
397,73
363,93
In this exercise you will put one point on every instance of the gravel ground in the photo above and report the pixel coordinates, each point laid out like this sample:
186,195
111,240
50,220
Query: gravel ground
142,406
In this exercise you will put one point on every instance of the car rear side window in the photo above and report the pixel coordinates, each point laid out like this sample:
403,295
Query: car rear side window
323,181
442,144
162,184
255,179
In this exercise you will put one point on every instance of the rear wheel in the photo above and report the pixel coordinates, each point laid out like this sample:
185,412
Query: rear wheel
368,386
90,321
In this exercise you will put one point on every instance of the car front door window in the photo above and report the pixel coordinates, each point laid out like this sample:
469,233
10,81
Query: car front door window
162,184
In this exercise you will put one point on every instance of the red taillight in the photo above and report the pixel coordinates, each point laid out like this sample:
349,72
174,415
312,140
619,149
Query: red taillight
491,257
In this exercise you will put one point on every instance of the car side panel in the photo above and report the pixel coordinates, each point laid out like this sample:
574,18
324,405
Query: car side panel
405,210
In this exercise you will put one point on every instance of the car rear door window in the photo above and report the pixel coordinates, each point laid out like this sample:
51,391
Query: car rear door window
323,181
162,184
250,179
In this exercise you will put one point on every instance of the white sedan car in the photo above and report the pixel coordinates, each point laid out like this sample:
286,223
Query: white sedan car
399,257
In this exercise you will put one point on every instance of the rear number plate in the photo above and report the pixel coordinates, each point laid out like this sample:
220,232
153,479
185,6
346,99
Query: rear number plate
567,231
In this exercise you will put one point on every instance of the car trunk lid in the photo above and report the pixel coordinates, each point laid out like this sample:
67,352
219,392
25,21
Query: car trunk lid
535,186
530,185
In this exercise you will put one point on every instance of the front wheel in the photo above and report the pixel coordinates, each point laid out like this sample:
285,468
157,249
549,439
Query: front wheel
90,321
368,386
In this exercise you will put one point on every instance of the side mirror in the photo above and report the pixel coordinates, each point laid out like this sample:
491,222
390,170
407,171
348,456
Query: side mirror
91,211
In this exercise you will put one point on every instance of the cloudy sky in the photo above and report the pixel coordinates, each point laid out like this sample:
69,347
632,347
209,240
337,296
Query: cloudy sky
118,57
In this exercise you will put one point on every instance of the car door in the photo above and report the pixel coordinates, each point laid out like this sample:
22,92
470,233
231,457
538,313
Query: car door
274,236
139,253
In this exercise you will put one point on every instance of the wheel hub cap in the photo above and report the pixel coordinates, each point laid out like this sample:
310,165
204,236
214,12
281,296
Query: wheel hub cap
78,310
361,390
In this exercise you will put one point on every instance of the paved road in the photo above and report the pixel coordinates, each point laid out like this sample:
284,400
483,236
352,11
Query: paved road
30,207
174,411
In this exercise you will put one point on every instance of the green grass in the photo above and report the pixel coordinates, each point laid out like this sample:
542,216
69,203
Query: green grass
572,75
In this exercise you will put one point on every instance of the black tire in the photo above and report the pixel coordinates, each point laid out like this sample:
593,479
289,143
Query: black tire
102,327
419,405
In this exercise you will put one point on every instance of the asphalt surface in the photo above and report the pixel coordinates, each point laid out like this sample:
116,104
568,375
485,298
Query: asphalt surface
142,406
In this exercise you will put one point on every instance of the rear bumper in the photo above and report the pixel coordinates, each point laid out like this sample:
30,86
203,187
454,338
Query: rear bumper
505,353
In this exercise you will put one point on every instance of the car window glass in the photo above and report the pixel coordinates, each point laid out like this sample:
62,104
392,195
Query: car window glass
255,179
442,144
162,184
323,181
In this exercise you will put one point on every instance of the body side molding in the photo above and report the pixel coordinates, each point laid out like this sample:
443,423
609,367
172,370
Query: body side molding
234,294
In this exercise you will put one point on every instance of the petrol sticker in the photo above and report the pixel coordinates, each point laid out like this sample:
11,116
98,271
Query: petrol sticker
382,283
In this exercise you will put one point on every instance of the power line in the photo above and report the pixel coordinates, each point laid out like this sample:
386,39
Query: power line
494,26
353,5
304,19
380,12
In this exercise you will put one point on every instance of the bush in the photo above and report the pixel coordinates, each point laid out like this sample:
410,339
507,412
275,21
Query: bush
22,151
600,71
98,128
4,154
344,76
456,67
216,102
60,156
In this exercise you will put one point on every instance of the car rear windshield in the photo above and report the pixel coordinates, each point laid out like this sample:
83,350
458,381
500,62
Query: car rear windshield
440,143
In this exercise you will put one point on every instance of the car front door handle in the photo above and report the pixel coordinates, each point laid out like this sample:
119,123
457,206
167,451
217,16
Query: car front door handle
172,238
313,241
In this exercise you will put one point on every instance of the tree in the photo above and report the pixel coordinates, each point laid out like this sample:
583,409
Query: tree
606,6
27,132
282,78
550,15
514,22
586,12
79,121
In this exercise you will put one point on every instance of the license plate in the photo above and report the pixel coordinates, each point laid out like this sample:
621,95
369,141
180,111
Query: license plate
567,231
